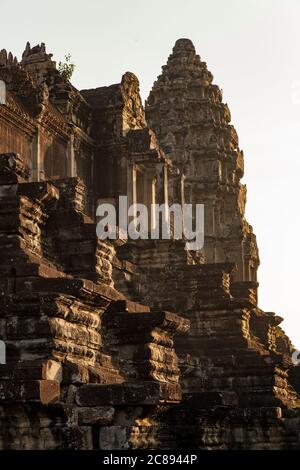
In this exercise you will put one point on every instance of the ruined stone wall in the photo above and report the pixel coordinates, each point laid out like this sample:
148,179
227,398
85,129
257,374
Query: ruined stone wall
144,344
74,377
12,136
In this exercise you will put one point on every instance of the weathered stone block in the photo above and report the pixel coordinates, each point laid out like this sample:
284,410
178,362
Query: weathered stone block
98,395
44,391
114,438
96,415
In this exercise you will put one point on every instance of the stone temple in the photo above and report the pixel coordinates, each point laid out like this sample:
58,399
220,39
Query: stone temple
139,343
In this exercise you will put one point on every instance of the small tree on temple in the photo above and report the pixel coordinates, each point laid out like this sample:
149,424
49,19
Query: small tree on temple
66,68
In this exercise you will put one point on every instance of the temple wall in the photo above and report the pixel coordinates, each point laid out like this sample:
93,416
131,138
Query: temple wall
53,156
12,139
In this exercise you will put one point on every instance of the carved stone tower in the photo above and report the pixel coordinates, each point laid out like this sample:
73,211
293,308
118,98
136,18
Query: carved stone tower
186,111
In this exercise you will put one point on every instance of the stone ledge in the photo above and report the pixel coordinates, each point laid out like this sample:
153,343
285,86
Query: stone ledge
44,391
145,393
96,415
127,306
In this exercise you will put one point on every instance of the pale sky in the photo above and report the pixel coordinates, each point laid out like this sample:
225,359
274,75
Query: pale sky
252,47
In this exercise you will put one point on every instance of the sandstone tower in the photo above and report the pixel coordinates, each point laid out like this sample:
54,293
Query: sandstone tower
186,111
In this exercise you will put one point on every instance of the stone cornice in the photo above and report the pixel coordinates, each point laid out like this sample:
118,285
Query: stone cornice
52,122
15,114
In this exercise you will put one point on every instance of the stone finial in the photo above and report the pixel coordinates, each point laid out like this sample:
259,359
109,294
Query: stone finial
183,45
27,50
130,78
133,115
37,62
36,54
3,57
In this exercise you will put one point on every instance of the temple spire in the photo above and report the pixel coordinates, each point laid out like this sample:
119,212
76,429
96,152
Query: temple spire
183,45
187,112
